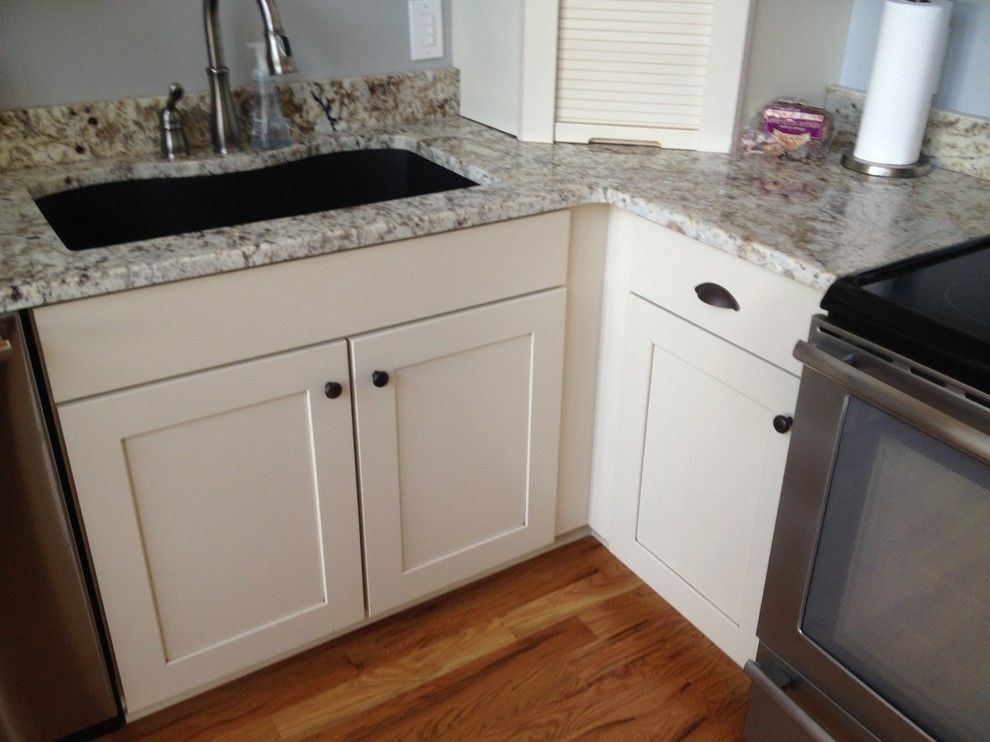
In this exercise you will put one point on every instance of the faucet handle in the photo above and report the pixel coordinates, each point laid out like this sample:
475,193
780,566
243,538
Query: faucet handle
171,127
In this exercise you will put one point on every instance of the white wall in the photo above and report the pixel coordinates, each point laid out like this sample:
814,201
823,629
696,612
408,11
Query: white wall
965,85
67,51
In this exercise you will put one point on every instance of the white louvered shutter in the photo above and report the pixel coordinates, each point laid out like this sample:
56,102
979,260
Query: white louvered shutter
663,71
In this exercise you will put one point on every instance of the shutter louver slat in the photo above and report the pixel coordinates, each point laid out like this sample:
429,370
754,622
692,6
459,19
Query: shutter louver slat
631,91
646,6
678,53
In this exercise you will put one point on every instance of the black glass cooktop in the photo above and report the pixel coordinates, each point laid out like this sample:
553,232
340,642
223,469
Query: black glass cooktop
934,308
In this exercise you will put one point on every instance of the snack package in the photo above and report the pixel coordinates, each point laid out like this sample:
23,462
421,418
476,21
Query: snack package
789,128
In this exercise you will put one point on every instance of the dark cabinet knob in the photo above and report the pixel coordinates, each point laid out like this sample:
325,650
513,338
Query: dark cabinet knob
380,378
716,296
783,423
333,389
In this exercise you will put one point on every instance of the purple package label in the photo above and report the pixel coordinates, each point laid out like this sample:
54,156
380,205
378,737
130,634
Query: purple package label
795,123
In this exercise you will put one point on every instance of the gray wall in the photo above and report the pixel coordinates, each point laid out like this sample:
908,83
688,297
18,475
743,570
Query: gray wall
68,51
965,85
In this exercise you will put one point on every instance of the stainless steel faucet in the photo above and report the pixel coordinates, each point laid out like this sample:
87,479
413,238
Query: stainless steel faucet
224,126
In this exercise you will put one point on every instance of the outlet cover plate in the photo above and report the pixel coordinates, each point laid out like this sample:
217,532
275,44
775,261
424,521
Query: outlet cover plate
425,29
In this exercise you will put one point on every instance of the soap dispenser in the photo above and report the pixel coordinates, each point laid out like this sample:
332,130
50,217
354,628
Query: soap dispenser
268,127
171,128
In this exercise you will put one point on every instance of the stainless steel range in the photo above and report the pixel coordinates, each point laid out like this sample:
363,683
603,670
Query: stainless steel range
876,612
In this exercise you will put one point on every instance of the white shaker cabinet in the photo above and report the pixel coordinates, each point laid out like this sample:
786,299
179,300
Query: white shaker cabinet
698,471
457,424
222,516
215,468
688,465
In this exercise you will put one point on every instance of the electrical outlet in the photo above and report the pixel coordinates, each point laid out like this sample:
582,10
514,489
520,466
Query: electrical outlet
425,29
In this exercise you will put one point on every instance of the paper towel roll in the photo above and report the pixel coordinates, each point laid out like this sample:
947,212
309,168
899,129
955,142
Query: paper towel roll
906,70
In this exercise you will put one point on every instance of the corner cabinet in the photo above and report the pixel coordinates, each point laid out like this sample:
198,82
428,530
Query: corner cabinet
699,471
457,424
221,513
689,459
210,430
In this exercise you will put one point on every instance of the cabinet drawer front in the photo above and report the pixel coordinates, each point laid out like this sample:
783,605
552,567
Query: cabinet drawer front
457,450
221,514
110,342
667,267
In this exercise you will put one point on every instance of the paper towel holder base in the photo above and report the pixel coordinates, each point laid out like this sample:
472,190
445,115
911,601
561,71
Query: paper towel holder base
922,167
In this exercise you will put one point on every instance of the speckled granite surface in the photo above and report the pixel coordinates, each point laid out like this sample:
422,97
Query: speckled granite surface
810,222
67,134
955,141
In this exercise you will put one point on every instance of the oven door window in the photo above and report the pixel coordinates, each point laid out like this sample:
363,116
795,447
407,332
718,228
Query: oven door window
900,588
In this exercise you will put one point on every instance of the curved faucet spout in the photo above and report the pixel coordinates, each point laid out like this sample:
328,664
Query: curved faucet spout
224,124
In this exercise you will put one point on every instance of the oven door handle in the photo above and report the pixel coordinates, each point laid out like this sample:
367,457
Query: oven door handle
900,404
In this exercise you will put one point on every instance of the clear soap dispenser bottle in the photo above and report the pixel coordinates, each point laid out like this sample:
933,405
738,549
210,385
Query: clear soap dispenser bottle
268,127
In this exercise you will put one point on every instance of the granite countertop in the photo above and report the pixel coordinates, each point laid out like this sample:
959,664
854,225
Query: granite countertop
810,222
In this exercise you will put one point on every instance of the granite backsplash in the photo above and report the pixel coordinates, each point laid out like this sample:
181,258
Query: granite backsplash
129,127
956,141
88,131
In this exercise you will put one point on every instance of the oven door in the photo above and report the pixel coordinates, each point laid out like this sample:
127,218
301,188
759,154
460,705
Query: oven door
878,591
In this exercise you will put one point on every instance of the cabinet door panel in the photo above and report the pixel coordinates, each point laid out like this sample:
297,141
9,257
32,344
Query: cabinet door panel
705,445
221,512
196,500
698,471
457,454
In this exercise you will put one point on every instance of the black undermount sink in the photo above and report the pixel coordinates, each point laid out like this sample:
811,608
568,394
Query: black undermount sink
127,211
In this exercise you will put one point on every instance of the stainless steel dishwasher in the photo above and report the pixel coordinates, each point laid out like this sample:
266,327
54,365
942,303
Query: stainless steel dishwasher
54,667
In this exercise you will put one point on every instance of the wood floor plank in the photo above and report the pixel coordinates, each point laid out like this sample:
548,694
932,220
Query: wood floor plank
492,596
235,708
569,600
641,699
619,613
384,682
461,705
567,646
654,677
655,674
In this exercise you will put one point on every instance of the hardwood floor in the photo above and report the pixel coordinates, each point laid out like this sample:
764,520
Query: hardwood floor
568,645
